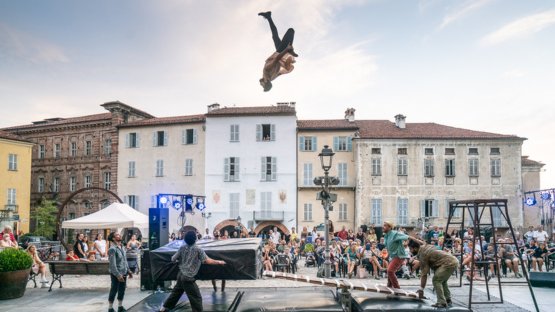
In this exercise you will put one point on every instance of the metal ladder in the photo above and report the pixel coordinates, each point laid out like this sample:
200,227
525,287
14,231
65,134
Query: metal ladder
480,211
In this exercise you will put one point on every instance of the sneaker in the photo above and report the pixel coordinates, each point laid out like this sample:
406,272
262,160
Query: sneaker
111,310
292,52
439,305
44,281
406,276
376,277
121,309
449,302
266,15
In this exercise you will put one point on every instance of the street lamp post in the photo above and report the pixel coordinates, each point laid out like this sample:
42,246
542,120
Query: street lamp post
326,158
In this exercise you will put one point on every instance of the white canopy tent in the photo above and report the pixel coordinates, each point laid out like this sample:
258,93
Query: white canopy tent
115,215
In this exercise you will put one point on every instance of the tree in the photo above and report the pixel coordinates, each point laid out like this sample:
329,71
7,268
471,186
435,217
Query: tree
46,218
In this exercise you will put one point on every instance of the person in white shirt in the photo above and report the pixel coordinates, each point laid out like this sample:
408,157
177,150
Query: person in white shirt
100,247
541,236
529,236
276,236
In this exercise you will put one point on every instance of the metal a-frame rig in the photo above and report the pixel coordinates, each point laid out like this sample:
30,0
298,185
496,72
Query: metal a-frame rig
481,214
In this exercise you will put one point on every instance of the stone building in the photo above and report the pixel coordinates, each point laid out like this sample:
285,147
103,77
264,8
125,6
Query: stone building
162,156
74,153
531,170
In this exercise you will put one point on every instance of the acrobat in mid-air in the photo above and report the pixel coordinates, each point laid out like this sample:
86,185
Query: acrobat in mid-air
281,61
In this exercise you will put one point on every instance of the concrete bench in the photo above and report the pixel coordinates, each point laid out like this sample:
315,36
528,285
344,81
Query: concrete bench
61,268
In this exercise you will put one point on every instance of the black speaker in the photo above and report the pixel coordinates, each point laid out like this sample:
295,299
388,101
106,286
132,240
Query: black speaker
146,277
158,233
542,279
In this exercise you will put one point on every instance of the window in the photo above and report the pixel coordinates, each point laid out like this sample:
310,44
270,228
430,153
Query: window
428,167
131,169
11,196
160,168
495,167
188,167
376,213
342,173
449,151
307,212
266,201
495,151
234,133
402,151
307,175
429,208
402,211
342,212
428,151
473,151
40,185
307,143
265,132
107,180
73,149
234,205
71,216
268,169
376,166
12,162
449,167
189,136
87,205
231,169
133,201
88,180
376,151
473,167
402,166
56,185
132,140
42,151
160,138
108,147
88,148
342,144
72,183
57,150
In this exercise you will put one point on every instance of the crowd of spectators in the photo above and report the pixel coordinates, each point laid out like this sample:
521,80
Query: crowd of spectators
363,253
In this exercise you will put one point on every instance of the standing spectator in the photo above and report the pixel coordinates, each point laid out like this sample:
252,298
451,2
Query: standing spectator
304,233
100,247
133,251
38,265
541,235
119,271
361,236
172,237
394,244
190,257
529,236
79,246
252,233
294,236
276,236
207,234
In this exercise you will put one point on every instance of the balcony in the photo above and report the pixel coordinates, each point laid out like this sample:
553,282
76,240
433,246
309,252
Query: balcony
268,215
12,208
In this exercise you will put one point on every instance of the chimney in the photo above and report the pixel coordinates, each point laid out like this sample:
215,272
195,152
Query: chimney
350,114
400,121
212,107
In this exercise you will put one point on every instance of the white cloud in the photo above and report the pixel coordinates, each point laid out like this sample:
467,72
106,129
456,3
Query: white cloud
521,28
29,47
462,11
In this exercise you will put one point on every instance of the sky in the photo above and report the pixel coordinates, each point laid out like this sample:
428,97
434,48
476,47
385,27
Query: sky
485,65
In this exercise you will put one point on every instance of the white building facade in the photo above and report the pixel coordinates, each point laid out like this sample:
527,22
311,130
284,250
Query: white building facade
162,156
251,167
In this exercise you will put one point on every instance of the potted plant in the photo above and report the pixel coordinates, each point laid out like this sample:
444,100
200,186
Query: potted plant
15,265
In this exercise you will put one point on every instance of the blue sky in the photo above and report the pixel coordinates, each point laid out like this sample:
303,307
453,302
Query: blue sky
485,65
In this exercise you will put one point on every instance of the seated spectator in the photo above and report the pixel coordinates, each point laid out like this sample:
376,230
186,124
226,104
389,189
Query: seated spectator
38,265
92,255
510,257
6,242
8,230
538,254
385,257
71,256
351,259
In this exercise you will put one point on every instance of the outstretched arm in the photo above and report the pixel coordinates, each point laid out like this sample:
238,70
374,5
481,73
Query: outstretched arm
209,260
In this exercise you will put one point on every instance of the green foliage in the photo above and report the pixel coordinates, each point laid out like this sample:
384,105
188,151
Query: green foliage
46,218
309,248
12,259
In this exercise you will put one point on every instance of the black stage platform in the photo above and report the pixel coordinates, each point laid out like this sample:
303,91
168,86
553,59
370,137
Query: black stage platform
288,299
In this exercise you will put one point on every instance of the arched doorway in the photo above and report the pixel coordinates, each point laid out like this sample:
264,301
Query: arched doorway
264,227
231,225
